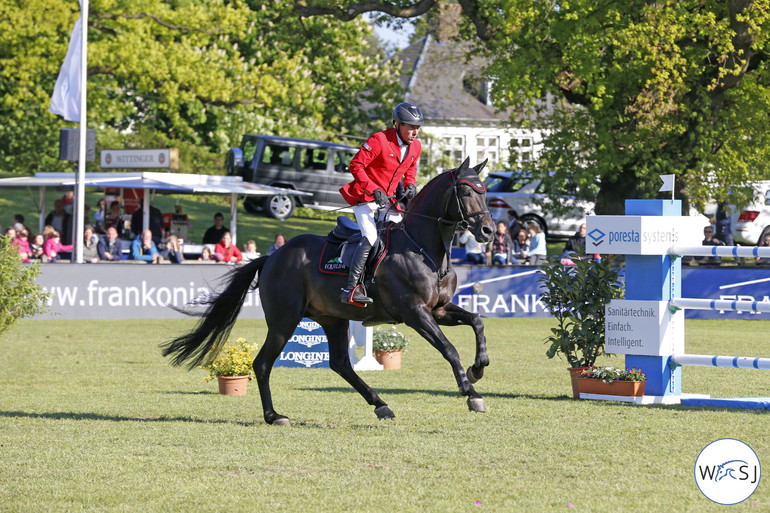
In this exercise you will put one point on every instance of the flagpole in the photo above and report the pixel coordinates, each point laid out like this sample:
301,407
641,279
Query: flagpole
80,195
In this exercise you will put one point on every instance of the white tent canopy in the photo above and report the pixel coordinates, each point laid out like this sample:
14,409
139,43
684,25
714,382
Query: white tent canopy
173,183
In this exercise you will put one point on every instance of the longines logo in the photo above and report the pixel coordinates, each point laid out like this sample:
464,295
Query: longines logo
727,471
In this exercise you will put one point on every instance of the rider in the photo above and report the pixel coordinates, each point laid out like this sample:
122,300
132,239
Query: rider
377,169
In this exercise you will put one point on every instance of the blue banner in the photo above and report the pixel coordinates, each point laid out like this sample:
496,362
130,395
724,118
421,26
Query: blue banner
307,348
515,291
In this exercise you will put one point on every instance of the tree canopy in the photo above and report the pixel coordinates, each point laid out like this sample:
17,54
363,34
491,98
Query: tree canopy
192,74
634,89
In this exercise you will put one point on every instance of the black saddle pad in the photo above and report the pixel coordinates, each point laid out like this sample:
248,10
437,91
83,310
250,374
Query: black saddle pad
340,247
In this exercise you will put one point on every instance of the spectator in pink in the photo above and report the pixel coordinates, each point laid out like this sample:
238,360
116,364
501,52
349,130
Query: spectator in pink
22,242
226,251
53,246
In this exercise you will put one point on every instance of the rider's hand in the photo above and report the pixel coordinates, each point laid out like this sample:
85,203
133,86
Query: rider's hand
410,191
380,197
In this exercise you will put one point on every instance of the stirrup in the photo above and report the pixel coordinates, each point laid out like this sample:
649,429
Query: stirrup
355,297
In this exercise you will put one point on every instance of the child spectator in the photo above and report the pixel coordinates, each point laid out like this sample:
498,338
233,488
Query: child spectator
22,241
250,251
537,249
53,246
206,255
710,240
36,246
226,251
521,247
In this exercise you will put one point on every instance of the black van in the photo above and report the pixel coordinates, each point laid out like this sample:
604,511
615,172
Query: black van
317,167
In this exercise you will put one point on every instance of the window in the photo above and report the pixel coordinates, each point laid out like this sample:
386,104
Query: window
454,148
486,148
249,147
277,155
342,161
315,158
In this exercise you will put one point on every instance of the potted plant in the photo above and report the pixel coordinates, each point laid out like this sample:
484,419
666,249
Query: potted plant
232,367
576,295
612,381
388,344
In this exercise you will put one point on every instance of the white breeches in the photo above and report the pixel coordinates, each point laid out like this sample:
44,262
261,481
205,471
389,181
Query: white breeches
365,218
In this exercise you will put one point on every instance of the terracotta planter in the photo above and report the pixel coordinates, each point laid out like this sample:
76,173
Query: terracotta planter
617,387
233,385
390,360
574,374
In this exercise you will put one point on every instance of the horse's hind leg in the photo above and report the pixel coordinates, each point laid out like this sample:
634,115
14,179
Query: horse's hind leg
263,365
338,334
453,315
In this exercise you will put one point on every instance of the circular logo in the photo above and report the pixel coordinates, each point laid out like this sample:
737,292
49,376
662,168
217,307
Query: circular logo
161,157
108,158
727,471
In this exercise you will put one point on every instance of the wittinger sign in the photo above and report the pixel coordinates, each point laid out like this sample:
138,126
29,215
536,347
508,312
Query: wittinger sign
167,158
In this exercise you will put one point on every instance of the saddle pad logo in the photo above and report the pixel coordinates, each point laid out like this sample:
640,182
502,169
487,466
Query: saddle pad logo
335,264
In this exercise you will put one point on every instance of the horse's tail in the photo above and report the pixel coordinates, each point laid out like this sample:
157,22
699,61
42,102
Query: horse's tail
203,343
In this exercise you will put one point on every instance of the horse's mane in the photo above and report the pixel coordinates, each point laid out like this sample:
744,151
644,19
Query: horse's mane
428,192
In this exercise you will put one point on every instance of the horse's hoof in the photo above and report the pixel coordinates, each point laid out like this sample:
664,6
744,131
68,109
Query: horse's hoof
476,404
384,412
472,376
281,421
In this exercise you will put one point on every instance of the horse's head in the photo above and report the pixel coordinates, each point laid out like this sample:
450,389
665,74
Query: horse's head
470,201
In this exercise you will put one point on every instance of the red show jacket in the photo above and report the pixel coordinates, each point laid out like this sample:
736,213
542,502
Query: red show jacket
377,166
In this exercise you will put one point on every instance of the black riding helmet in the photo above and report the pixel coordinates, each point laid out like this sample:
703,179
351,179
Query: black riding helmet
407,113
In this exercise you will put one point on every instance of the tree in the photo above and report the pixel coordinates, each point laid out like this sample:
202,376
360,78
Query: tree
20,295
186,73
636,89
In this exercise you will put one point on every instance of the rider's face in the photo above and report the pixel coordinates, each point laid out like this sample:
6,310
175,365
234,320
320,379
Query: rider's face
407,132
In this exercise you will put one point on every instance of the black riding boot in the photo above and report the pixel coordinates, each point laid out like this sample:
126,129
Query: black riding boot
352,293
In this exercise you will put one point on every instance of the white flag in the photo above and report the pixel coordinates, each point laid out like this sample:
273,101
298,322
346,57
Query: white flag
65,100
668,183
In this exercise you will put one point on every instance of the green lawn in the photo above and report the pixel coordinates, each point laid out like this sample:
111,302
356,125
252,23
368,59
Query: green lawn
94,419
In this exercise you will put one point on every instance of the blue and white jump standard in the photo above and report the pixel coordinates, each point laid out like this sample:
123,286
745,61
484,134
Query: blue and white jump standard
648,325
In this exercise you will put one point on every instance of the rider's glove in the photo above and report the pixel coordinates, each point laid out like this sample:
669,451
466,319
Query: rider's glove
380,197
410,191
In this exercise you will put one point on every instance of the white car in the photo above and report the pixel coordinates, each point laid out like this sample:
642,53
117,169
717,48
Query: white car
510,190
753,223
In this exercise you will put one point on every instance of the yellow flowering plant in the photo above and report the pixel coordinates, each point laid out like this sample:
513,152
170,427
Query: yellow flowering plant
234,359
389,339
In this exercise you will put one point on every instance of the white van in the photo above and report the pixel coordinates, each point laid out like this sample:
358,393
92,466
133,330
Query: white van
753,223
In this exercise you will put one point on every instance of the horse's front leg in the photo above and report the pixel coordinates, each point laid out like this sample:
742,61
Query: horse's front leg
422,321
453,315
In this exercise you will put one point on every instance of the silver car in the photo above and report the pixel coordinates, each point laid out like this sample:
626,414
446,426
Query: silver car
512,190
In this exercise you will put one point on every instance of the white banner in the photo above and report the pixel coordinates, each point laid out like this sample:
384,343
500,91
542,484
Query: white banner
65,100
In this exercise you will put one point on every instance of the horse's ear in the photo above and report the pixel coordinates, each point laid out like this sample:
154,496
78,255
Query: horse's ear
479,167
466,163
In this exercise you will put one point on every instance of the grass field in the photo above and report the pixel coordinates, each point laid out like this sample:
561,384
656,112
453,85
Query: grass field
93,419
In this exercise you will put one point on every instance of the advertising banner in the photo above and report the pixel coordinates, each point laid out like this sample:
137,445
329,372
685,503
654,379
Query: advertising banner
307,348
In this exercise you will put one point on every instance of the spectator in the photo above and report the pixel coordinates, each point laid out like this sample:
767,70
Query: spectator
67,199
710,240
226,251
474,253
36,246
724,224
155,226
100,215
250,251
110,247
206,255
520,247
61,221
114,217
22,242
764,243
214,234
53,246
143,248
280,240
538,252
18,223
90,243
575,248
173,250
514,225
501,247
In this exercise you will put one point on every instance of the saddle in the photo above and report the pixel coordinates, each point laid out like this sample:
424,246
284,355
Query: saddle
341,244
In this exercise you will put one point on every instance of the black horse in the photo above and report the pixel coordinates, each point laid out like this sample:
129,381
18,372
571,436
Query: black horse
413,283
